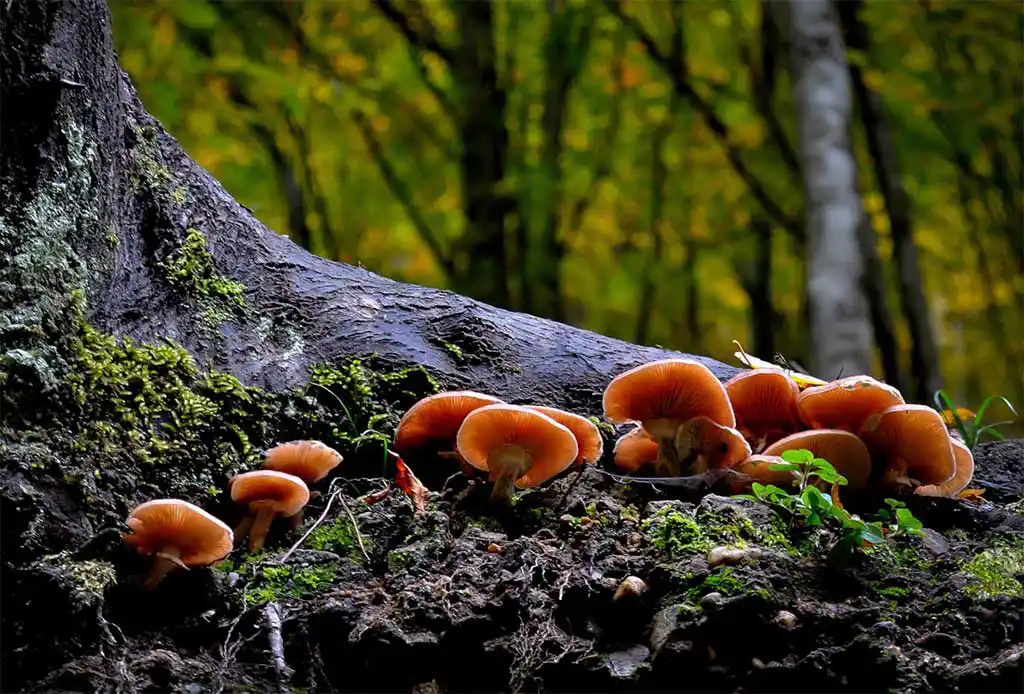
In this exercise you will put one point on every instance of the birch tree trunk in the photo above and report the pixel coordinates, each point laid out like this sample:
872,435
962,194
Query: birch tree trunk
841,333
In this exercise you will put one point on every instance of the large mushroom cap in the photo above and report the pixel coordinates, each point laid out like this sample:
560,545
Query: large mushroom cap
310,461
847,453
706,445
914,440
286,494
959,481
672,389
198,537
846,403
437,418
550,446
764,401
634,450
588,438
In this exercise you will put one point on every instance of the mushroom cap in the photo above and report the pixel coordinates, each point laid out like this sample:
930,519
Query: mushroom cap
634,450
764,400
310,461
847,453
284,493
674,389
916,435
722,447
960,479
551,446
588,438
199,538
756,466
846,403
436,419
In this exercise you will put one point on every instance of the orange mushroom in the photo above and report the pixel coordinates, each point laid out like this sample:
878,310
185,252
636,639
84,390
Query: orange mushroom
662,396
959,481
434,422
703,445
588,438
846,403
756,467
847,453
914,445
764,402
518,446
634,450
268,493
178,534
310,461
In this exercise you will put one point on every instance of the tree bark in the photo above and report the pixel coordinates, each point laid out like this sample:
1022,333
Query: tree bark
924,351
841,334
94,195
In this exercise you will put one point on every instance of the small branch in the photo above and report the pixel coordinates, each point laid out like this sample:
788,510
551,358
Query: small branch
355,527
401,192
334,494
272,620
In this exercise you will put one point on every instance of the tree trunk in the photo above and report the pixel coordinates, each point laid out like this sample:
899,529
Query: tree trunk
95,196
841,335
924,351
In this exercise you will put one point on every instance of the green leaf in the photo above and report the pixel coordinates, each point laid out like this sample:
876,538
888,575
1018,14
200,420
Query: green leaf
800,456
872,532
779,467
822,465
907,520
814,499
985,405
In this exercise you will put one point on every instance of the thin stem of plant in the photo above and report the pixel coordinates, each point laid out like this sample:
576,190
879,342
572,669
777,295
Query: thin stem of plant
334,494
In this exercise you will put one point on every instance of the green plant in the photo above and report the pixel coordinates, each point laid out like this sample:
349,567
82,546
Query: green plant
808,507
971,428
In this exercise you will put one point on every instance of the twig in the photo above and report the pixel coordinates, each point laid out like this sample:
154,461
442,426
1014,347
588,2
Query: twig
355,526
315,525
272,619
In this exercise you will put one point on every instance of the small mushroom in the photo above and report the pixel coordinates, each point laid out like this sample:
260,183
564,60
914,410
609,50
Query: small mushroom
267,493
434,422
310,461
635,450
518,446
847,453
846,403
764,402
913,444
588,438
959,481
703,445
178,534
662,396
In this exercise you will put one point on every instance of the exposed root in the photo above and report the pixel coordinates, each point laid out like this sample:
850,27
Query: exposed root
272,622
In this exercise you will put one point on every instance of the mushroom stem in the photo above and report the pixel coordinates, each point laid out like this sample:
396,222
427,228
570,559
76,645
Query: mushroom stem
507,464
689,448
163,563
664,432
895,477
242,529
260,527
294,521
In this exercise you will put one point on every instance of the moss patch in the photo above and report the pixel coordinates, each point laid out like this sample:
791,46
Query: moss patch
675,533
190,270
997,570
276,583
338,537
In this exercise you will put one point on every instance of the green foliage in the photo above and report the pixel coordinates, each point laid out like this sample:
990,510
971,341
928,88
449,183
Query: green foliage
972,428
997,570
338,537
809,507
190,270
275,583
675,533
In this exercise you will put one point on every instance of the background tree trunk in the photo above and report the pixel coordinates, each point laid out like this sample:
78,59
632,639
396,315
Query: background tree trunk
840,326
95,196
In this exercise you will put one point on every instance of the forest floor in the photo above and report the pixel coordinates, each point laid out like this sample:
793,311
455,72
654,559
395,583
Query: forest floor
460,598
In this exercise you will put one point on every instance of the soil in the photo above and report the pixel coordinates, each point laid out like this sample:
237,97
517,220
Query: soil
462,597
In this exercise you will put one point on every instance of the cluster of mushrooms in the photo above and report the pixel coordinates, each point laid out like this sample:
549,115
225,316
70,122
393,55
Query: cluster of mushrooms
686,422
689,423
180,534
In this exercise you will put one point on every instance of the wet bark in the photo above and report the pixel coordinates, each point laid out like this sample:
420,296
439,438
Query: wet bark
94,196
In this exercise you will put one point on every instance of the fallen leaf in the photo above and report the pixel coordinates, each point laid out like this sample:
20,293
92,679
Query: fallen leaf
411,485
835,495
377,497
961,412
972,495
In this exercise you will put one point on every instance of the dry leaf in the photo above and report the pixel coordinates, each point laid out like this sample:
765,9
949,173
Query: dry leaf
972,495
411,485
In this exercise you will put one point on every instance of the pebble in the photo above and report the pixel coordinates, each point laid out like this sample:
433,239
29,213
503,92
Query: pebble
712,600
785,618
631,587
731,555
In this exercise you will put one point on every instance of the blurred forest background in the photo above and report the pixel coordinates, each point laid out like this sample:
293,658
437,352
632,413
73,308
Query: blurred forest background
629,167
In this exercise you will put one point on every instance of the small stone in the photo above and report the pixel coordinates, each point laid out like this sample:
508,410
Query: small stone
608,506
567,518
712,600
634,540
631,587
757,664
494,548
587,520
785,619
712,655
577,507
731,555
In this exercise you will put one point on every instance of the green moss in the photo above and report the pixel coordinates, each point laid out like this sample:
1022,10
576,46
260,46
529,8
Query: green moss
279,583
178,196
893,591
997,570
338,537
89,578
399,560
675,533
455,351
190,269
728,525
606,429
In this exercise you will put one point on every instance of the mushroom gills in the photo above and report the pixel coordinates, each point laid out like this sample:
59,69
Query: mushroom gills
163,563
506,463
665,432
